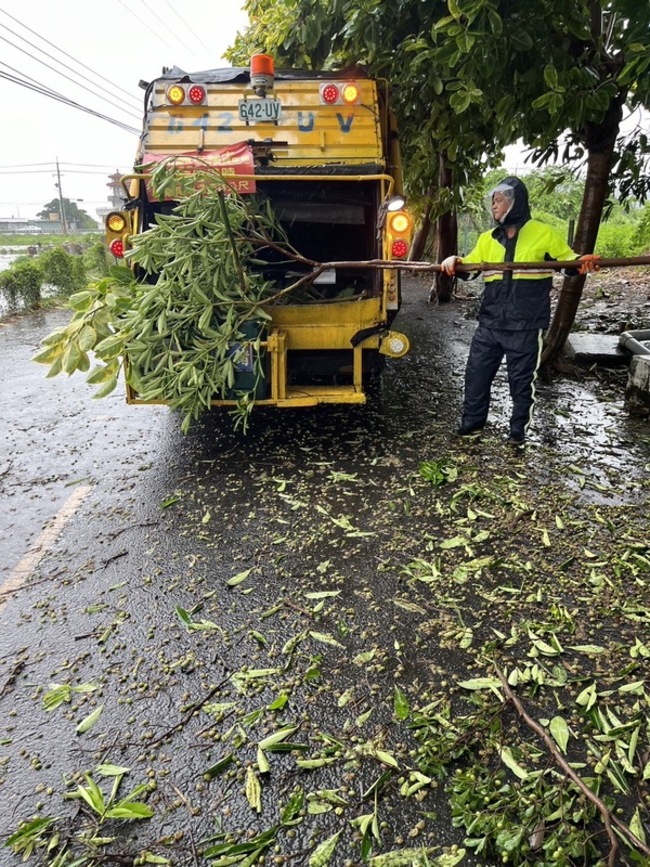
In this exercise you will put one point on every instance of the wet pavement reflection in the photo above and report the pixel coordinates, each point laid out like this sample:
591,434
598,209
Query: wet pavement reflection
130,589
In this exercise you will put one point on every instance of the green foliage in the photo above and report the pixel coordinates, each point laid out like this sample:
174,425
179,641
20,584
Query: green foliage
616,239
514,804
62,270
196,315
438,472
73,214
642,231
41,239
98,309
109,806
555,192
57,846
21,283
96,259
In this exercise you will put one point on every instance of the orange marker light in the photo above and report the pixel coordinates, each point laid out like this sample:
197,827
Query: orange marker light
175,94
399,222
262,72
115,222
350,94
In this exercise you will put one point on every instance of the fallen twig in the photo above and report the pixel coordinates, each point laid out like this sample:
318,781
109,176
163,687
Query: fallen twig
190,712
109,560
608,818
291,604
11,677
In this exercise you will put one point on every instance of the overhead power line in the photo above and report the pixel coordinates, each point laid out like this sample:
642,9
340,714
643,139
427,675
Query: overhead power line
74,59
185,22
89,165
164,24
145,24
48,171
61,163
45,91
27,171
26,165
62,74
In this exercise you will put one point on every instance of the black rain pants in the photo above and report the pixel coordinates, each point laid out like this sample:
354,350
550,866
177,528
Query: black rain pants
522,351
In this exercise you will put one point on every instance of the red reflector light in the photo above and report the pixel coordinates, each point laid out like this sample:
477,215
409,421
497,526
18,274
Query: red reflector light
117,248
197,94
399,249
329,94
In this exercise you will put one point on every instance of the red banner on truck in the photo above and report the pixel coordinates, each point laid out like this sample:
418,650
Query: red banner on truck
229,162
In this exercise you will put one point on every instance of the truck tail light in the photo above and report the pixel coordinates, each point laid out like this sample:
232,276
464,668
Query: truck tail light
343,94
196,94
399,249
115,222
118,225
176,94
350,94
329,94
399,227
399,223
117,248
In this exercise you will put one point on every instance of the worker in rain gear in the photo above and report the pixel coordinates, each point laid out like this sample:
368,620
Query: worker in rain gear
515,308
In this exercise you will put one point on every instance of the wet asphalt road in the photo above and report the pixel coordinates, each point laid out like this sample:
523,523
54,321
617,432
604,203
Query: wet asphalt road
114,525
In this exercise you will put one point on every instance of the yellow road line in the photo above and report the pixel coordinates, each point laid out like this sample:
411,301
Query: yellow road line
51,531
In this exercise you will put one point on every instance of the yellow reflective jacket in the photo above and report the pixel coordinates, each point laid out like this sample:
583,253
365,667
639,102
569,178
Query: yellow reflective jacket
518,300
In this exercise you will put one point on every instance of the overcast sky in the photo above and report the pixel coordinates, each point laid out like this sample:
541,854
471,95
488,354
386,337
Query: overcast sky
104,49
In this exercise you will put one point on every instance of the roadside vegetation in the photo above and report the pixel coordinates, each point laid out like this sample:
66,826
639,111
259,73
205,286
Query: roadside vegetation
48,273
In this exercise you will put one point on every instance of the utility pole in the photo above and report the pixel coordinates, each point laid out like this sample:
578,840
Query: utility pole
58,184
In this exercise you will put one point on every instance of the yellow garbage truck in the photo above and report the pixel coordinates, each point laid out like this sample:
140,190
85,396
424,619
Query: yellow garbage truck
322,148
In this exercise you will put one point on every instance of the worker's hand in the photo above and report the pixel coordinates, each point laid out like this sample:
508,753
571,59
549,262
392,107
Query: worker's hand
448,265
588,263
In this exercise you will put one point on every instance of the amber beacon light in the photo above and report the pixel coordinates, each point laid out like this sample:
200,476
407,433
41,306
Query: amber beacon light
262,73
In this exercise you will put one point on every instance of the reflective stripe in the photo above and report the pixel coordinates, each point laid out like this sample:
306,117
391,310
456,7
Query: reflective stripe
540,345
533,274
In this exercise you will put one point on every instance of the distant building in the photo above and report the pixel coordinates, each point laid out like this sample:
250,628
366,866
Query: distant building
32,226
117,197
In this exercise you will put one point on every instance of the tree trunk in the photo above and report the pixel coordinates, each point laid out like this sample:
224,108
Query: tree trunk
596,183
600,140
446,235
422,235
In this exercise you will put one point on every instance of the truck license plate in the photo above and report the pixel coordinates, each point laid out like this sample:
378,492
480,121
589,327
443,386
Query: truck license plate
259,110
